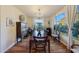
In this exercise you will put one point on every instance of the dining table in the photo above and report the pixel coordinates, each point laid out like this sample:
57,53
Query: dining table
32,41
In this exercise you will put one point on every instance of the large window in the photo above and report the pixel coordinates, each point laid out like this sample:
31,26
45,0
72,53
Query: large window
60,24
75,27
60,17
38,23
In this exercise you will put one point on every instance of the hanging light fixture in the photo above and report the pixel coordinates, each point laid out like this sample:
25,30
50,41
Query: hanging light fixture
38,14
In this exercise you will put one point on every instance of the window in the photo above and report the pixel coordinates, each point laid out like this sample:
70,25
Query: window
60,17
75,25
60,23
38,23
78,8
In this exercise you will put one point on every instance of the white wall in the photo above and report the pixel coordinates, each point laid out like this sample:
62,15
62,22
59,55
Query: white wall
8,33
0,28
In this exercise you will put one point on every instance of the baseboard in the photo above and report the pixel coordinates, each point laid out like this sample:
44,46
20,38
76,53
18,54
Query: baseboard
8,47
63,43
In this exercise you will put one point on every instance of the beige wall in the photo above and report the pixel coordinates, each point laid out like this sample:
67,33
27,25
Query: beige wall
8,33
29,21
46,22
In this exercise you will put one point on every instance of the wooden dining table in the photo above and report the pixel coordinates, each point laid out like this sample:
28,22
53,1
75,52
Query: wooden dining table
32,41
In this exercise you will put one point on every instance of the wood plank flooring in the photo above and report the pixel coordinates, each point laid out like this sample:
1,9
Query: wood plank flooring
23,47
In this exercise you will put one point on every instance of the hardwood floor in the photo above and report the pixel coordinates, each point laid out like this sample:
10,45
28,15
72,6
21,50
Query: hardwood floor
23,47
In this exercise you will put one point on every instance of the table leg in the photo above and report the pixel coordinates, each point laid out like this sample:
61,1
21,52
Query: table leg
30,46
49,46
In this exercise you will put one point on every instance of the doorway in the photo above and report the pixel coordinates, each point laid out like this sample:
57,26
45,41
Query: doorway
38,25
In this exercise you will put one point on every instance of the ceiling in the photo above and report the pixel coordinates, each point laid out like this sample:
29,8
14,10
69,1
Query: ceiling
39,10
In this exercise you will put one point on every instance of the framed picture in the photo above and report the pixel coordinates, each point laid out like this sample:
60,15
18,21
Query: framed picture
9,22
21,18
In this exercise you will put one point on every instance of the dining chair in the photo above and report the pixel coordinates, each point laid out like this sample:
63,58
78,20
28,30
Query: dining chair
40,43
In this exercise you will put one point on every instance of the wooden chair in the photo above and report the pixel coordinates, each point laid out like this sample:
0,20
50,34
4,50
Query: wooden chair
40,43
